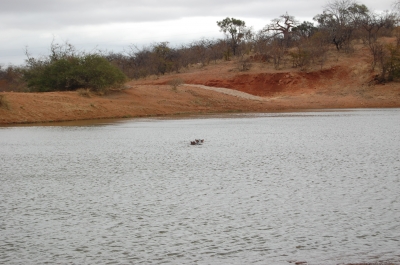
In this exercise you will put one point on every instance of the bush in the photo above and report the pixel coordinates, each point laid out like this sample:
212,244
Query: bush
83,92
3,102
66,72
244,64
11,79
387,57
174,83
300,58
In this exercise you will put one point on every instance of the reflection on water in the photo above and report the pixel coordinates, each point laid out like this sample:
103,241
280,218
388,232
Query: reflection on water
321,187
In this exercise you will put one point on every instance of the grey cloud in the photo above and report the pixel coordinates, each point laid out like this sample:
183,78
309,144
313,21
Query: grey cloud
49,14
34,22
52,14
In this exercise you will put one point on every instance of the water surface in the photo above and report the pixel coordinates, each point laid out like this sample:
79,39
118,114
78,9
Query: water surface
321,187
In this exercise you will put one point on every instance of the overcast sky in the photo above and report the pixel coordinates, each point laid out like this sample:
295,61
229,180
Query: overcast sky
115,25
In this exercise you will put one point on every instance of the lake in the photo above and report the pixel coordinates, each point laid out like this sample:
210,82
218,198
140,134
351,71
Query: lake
278,188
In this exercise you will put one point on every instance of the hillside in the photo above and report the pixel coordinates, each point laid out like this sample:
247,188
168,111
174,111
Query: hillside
345,81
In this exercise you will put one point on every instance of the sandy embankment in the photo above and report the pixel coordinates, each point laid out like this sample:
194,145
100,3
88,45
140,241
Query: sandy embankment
216,88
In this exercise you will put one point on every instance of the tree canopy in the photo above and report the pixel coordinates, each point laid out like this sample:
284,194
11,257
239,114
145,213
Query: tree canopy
340,19
235,29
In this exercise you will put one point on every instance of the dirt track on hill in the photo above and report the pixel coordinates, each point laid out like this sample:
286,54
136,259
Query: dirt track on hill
232,92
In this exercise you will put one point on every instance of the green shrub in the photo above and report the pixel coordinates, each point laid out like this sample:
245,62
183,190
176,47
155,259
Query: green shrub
71,72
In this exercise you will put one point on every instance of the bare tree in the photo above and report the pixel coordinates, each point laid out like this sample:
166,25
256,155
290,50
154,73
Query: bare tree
139,61
282,26
396,5
277,51
340,18
122,61
11,78
374,26
261,42
199,49
183,57
216,49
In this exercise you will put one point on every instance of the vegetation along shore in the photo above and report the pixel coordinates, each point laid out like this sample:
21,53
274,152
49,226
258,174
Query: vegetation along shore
348,57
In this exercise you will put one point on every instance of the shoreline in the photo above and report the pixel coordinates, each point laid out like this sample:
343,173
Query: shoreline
153,98
177,116
346,81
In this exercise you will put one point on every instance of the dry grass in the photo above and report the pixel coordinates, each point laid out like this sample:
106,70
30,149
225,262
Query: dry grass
174,83
84,92
3,102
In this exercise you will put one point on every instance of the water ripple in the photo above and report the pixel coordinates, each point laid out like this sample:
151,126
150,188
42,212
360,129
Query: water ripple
320,187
